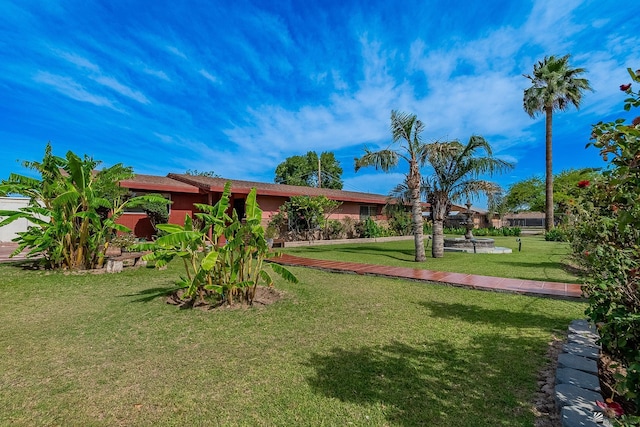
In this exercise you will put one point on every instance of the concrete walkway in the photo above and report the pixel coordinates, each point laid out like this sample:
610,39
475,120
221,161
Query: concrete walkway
527,287
5,251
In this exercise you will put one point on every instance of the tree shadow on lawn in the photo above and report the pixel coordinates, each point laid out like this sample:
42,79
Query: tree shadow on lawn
473,314
433,383
547,265
148,295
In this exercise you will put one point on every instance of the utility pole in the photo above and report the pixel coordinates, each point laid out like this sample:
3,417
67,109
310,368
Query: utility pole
319,173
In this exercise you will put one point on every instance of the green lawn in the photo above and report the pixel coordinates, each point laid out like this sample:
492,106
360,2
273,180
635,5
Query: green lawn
87,349
538,260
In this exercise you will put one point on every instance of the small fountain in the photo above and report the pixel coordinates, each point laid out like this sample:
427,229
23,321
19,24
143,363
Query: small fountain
469,243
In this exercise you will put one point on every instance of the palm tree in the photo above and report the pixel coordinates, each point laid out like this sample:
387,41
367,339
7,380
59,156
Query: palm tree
405,130
456,177
554,85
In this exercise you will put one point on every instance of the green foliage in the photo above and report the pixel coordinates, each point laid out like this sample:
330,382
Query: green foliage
305,214
230,272
371,229
527,194
605,239
556,235
303,170
492,231
196,172
334,229
406,131
399,219
157,212
73,210
456,176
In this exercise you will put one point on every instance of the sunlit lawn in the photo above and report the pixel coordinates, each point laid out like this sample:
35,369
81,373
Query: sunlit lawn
85,349
538,260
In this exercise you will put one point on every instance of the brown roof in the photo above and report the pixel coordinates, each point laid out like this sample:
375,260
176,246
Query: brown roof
267,189
523,215
158,183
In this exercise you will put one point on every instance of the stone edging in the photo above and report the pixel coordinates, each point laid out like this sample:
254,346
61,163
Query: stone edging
577,384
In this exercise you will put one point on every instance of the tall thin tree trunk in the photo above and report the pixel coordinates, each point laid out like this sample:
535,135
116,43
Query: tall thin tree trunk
549,217
437,244
416,217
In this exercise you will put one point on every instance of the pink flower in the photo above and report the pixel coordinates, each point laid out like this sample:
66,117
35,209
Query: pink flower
583,183
610,408
626,87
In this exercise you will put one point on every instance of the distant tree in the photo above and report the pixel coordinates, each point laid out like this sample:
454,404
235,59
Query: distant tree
196,172
554,85
303,171
406,131
529,194
526,195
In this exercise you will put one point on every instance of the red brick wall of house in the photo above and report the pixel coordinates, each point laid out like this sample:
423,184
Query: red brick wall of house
181,206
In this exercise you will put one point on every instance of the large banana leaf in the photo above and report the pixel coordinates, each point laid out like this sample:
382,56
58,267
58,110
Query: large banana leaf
286,274
252,210
178,238
170,228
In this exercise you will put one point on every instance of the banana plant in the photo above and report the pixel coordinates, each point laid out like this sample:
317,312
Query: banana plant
233,270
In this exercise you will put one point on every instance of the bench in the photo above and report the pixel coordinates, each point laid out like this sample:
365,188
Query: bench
116,264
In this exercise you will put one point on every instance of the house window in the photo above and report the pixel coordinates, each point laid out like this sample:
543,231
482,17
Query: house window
368,211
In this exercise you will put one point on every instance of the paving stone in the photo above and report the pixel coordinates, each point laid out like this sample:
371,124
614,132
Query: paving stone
577,378
581,350
570,395
566,360
582,327
582,340
573,416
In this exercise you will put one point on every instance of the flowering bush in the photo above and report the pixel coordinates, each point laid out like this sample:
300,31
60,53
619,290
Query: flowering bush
605,239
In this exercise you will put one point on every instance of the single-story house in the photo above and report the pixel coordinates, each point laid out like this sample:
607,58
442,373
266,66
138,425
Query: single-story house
524,219
185,190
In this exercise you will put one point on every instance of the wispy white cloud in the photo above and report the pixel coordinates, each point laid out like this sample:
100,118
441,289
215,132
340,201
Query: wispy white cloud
68,87
213,79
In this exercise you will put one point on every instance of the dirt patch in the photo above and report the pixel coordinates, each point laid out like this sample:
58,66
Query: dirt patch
264,297
544,408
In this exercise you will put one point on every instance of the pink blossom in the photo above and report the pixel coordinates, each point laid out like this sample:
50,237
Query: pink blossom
583,183
626,87
611,409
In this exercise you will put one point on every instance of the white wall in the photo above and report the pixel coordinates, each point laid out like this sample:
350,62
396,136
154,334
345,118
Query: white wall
8,232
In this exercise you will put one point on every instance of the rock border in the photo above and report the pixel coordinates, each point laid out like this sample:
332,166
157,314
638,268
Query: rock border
577,384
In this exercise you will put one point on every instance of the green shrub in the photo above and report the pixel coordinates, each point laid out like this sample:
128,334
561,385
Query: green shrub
556,235
605,231
334,229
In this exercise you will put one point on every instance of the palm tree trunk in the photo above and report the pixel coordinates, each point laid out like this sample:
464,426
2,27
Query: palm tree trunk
416,217
549,217
437,245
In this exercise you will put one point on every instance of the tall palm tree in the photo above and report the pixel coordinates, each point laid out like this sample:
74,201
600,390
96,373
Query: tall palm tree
554,85
405,130
456,178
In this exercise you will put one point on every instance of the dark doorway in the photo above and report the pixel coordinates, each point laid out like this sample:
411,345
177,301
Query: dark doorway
238,205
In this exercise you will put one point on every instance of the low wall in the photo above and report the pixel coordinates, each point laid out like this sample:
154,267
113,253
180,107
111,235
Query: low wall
8,232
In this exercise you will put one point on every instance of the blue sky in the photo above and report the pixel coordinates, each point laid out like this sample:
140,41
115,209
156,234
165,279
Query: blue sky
236,87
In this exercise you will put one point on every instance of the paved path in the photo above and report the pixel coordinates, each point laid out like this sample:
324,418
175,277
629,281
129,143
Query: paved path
6,249
529,287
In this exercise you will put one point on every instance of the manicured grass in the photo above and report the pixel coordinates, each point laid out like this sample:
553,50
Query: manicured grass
538,260
86,349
